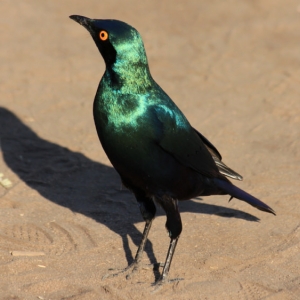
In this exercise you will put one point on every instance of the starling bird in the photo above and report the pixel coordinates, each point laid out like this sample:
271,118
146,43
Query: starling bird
159,156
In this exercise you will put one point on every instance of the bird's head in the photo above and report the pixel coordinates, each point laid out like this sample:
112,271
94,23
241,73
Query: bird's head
118,42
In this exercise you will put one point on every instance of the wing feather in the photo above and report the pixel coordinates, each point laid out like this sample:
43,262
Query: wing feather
224,169
190,147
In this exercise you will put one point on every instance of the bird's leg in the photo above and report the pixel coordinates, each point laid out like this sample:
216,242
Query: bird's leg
174,227
169,257
148,209
138,257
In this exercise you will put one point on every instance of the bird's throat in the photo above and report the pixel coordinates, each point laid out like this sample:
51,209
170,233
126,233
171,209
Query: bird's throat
120,102
129,78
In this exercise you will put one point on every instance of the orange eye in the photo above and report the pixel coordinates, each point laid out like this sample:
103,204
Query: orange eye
103,35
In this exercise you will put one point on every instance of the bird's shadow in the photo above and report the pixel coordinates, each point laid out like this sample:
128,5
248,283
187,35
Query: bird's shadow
72,180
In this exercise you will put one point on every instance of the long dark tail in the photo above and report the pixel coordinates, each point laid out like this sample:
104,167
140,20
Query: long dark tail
235,192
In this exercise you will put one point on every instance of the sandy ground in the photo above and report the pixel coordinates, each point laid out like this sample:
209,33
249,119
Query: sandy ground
233,67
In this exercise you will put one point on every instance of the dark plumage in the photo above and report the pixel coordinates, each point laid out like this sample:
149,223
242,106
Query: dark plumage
160,157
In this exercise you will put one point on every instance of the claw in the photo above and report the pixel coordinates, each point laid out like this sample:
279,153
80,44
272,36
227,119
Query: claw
134,266
159,283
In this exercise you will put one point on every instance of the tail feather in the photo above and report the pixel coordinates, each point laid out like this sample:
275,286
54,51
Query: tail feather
236,192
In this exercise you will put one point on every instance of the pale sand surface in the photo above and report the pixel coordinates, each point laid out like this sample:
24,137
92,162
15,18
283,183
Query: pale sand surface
233,67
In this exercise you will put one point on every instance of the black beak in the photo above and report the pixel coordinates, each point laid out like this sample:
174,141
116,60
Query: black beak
84,21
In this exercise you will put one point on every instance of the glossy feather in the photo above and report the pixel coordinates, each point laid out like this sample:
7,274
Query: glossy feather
160,157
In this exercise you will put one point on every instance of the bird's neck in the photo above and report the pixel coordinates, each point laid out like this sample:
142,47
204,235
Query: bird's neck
129,76
122,95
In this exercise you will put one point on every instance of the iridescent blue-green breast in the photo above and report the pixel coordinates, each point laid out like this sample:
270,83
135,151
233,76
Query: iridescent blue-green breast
147,138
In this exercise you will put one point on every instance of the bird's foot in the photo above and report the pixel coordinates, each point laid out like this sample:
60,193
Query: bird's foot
162,281
132,269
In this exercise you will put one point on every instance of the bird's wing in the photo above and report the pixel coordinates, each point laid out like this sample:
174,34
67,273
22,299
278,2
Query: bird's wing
188,146
225,170
180,140
212,149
